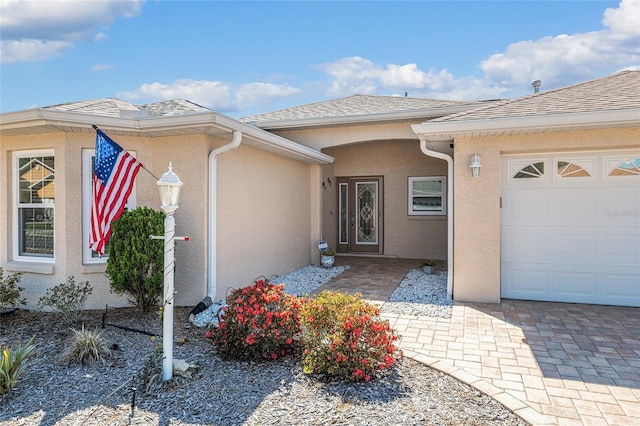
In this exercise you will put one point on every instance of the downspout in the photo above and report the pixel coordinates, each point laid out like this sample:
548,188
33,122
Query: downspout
449,160
212,225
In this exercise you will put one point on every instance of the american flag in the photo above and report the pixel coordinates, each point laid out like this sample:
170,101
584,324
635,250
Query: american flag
115,171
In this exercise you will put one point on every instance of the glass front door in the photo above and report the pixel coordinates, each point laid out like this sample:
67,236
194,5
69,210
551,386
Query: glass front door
360,219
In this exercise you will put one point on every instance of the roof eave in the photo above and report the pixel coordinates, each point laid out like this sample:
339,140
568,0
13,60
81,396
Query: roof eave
29,121
363,118
448,130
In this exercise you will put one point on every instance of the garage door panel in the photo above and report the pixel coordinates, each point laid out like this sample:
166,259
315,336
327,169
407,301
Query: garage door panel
570,239
520,243
571,284
622,286
525,280
620,248
523,208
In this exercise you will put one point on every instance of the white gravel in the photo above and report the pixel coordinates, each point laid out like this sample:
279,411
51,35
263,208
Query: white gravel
417,294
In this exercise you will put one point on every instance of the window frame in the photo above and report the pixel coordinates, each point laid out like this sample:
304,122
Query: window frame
89,257
16,156
410,196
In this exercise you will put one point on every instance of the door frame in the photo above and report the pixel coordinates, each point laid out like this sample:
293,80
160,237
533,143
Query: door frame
346,198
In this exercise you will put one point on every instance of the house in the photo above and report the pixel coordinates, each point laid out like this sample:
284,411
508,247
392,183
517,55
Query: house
555,212
552,215
248,201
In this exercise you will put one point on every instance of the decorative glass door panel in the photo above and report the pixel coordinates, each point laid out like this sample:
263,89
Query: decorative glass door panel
367,213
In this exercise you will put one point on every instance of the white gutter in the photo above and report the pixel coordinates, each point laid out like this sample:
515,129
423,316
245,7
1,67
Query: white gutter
212,225
426,151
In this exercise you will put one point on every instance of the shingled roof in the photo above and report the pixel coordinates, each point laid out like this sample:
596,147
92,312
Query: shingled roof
117,108
351,106
614,92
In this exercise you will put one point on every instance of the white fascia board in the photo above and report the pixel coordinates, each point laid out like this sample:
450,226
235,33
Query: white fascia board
447,130
363,118
41,117
276,141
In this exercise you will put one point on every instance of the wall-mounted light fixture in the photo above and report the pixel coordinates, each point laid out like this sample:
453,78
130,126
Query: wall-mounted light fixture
475,165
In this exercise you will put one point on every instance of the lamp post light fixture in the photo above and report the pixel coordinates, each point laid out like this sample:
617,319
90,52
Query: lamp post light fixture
475,165
169,186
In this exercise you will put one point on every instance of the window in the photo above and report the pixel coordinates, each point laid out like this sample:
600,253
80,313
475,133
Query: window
534,170
89,256
34,199
630,167
427,196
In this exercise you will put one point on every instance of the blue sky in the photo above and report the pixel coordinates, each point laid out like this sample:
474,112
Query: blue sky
241,58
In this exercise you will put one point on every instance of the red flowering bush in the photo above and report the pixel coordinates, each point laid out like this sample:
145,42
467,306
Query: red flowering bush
259,322
344,336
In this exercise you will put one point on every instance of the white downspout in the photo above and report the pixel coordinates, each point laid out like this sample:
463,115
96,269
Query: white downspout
212,225
449,160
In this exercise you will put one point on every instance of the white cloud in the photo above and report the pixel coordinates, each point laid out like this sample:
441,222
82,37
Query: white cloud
212,94
360,75
101,67
36,30
556,60
252,94
563,59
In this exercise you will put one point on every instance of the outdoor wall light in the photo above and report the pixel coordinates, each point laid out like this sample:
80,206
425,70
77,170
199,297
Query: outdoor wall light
475,165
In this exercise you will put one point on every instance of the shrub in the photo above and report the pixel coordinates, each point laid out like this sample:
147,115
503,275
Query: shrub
10,290
136,262
87,347
259,322
13,364
344,336
67,299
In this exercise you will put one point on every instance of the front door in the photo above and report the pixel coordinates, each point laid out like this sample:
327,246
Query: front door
360,220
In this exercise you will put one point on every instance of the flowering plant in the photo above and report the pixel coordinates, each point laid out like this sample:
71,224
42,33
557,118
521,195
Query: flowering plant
344,336
259,322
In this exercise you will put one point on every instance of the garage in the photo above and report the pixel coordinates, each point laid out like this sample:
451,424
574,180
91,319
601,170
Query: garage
570,227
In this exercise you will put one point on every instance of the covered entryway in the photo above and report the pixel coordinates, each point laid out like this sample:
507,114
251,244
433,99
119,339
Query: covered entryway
360,220
571,227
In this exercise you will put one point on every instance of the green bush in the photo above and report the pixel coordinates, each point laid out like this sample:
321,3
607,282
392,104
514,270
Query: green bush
136,262
67,299
13,364
87,347
10,290
259,322
343,336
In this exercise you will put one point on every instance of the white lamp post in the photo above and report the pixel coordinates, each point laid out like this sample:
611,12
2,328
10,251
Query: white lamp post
169,186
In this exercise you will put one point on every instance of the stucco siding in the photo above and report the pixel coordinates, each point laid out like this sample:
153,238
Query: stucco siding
264,221
477,200
190,163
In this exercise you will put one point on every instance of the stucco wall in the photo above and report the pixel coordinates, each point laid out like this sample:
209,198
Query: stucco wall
477,201
264,218
189,162
405,236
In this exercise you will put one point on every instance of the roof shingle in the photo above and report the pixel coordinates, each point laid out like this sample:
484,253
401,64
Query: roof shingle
352,106
614,92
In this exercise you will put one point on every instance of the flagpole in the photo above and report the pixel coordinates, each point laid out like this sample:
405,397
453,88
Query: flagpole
141,165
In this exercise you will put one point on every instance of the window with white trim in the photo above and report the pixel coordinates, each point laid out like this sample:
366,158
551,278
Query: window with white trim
427,196
90,256
34,205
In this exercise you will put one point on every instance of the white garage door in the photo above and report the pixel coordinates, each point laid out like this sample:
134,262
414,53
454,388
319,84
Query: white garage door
571,228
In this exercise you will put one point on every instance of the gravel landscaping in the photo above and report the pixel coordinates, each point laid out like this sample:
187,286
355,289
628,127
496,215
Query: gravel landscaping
220,392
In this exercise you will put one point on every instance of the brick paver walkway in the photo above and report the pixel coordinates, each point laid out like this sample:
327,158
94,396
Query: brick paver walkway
550,363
